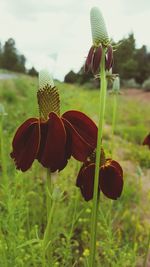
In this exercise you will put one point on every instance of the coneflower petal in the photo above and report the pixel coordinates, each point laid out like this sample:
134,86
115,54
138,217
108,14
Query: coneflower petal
85,181
111,181
89,59
97,59
52,146
109,57
25,144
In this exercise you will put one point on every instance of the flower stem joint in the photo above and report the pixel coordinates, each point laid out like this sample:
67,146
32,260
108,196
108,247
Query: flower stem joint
100,41
52,139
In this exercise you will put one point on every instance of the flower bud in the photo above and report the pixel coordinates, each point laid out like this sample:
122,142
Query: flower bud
98,27
116,85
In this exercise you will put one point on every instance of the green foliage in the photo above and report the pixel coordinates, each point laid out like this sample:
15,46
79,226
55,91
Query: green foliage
131,62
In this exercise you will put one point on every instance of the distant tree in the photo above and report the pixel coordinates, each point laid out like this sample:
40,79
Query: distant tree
142,58
33,72
84,77
124,62
11,59
71,77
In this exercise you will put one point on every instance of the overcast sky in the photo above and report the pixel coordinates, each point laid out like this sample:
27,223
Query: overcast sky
56,33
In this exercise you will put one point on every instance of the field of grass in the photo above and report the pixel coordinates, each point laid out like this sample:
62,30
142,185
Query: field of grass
123,225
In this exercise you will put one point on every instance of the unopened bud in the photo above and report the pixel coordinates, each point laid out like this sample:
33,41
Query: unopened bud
116,85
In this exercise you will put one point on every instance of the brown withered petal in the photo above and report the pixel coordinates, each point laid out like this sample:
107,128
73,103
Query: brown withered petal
89,59
82,133
53,141
96,59
26,143
109,57
111,180
85,181
147,140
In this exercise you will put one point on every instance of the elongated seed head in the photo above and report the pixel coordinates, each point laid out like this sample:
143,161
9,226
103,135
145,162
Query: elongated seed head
48,95
98,27
45,78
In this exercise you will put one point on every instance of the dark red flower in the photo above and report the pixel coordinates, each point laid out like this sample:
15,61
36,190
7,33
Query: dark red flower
110,179
93,59
147,140
53,141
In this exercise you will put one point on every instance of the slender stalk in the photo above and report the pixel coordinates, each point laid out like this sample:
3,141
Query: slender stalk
113,121
47,247
2,156
147,250
98,159
49,191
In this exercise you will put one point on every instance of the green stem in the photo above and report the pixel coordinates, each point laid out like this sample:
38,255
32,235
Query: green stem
47,247
2,156
49,191
98,159
147,251
113,121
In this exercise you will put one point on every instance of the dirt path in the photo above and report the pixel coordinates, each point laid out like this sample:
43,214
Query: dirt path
138,94
7,76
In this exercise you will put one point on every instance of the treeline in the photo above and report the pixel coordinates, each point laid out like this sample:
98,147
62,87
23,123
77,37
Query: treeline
11,59
131,63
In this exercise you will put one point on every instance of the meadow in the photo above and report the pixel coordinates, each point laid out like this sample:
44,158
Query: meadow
123,225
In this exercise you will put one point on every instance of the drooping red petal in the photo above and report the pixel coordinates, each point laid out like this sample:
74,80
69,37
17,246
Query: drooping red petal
85,181
79,177
115,164
89,59
147,140
111,181
25,144
97,59
83,134
109,57
85,127
52,146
